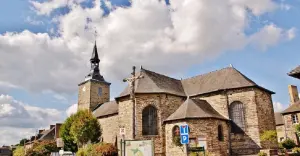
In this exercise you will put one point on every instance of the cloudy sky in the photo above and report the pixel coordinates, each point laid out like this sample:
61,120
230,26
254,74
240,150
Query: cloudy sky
45,46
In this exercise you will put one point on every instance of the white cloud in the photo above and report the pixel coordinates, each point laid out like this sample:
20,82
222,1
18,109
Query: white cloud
148,33
72,109
33,21
270,35
19,120
278,107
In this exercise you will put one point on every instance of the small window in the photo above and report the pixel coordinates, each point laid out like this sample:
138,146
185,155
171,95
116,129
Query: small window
220,133
176,131
294,118
99,91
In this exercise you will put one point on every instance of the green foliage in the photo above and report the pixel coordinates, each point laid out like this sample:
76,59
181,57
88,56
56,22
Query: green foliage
42,148
296,150
262,154
19,151
101,149
176,141
85,128
23,141
270,137
288,143
297,129
69,142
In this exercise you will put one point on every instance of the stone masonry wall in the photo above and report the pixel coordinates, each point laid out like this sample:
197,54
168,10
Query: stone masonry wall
110,128
84,96
280,133
166,105
249,142
88,97
207,128
289,126
265,113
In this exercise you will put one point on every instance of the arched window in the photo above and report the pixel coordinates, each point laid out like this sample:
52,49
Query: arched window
149,119
236,114
220,133
176,131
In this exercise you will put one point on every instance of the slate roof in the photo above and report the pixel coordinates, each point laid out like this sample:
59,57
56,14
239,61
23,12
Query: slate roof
108,108
278,119
195,109
295,72
292,108
48,134
226,78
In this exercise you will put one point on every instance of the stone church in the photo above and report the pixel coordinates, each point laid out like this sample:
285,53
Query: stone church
223,108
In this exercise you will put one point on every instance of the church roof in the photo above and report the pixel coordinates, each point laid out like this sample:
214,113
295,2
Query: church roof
226,78
155,83
292,108
195,109
295,72
278,119
108,108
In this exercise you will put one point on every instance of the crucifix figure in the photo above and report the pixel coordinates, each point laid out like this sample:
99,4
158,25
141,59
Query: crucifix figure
131,80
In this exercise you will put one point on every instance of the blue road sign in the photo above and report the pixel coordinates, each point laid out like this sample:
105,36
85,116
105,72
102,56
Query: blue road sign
184,130
184,134
184,139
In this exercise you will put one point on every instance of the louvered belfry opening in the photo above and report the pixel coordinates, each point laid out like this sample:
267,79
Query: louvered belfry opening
149,119
236,114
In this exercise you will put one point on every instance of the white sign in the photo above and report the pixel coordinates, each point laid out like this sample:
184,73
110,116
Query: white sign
122,131
59,142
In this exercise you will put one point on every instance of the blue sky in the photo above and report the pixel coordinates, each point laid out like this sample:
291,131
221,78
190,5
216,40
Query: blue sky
267,68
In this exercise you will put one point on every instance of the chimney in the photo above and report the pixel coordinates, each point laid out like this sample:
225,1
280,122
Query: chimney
57,128
41,130
51,126
294,96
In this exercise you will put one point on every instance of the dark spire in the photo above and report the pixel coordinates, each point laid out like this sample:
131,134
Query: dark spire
95,72
95,57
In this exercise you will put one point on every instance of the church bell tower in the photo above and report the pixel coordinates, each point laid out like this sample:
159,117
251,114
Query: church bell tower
94,90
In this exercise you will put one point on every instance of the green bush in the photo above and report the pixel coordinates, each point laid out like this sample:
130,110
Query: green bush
101,149
262,154
42,148
296,150
19,151
288,143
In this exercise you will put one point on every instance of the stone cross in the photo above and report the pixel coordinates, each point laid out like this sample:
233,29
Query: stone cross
131,80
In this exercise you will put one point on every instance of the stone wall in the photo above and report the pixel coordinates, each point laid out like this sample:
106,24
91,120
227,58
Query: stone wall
166,105
88,97
265,113
253,99
207,128
110,128
280,132
289,126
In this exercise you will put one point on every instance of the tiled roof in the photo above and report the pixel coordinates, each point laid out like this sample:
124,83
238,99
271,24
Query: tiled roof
226,78
155,83
292,108
278,119
47,134
108,108
295,72
195,109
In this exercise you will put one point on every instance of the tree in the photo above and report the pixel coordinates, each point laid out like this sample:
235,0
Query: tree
85,128
269,137
288,143
23,141
19,151
69,142
42,148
